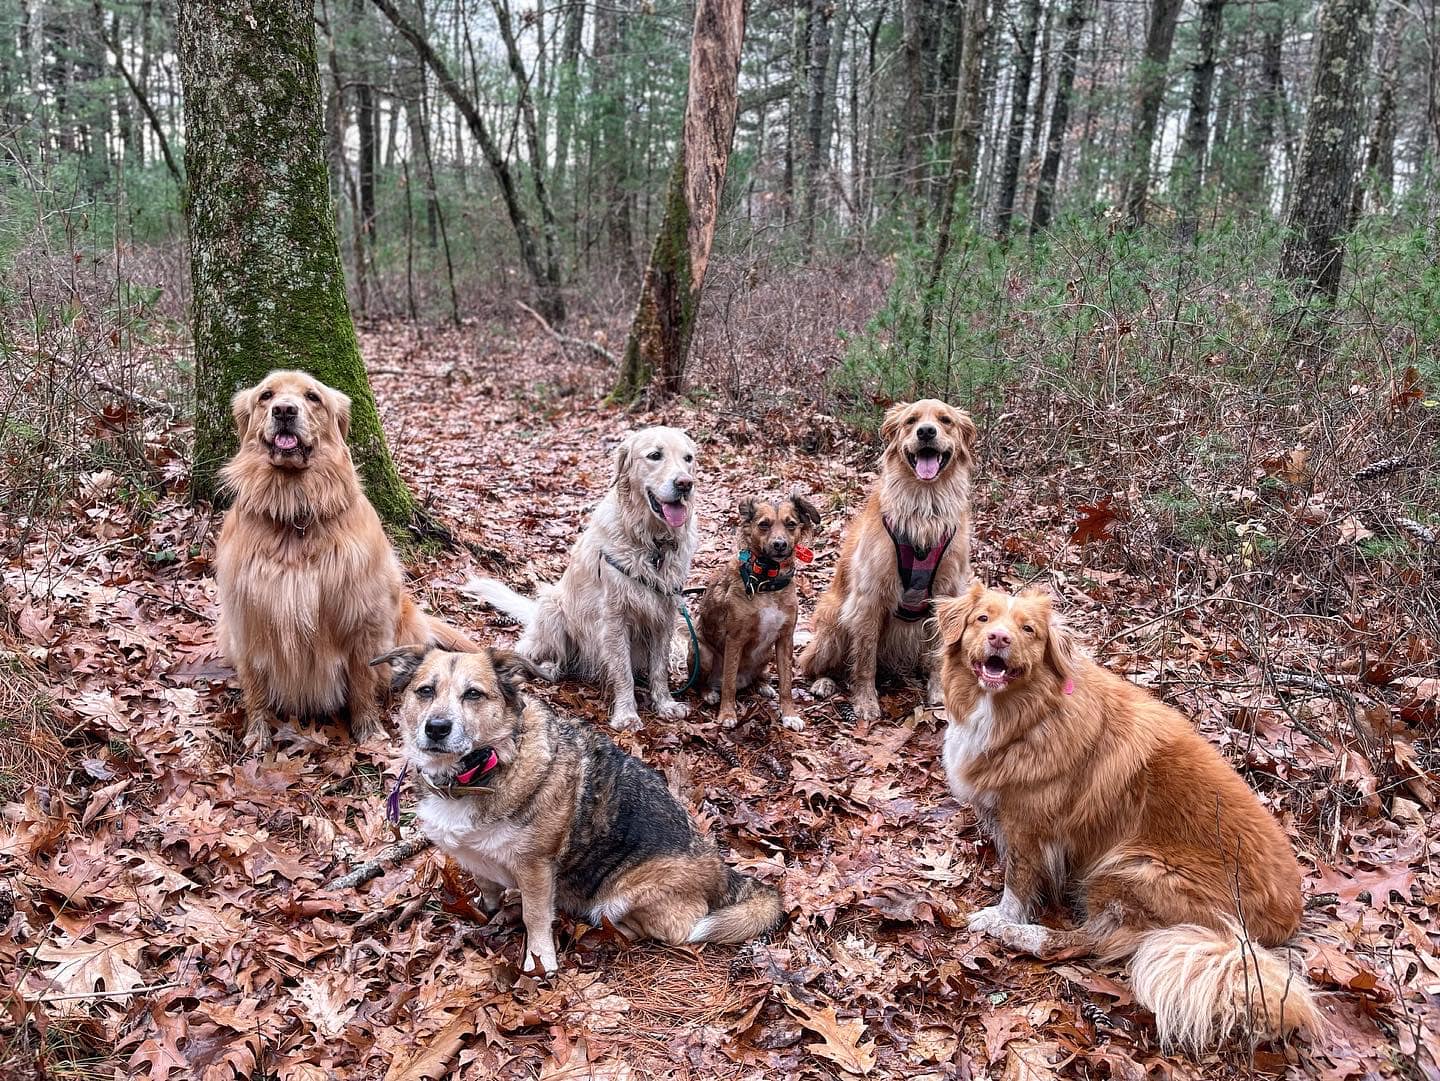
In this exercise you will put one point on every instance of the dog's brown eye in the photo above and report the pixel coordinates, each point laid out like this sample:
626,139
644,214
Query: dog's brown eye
312,396
946,421
789,523
982,618
655,455
473,694
763,523
426,691
1028,629
689,457
911,422
266,395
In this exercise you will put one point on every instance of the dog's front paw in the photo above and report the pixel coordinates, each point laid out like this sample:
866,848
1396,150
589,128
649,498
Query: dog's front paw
866,707
990,921
824,687
626,721
767,692
366,726
541,962
711,697
258,733
793,721
672,710
728,718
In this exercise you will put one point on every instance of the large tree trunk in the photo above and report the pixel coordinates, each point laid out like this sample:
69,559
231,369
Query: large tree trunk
549,299
607,88
1267,110
1019,105
569,84
1191,165
269,291
1314,248
1150,94
659,341
1075,17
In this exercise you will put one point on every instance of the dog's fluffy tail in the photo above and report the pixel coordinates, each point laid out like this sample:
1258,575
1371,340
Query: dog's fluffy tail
416,627
749,909
1203,984
498,595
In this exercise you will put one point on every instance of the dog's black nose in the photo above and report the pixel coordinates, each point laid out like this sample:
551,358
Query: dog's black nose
437,728
779,546
285,411
925,433
684,484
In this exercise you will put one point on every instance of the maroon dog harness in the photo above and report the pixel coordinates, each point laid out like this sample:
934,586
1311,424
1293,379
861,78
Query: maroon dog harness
917,568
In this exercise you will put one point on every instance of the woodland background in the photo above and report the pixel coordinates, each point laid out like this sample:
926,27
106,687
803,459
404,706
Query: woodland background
1182,262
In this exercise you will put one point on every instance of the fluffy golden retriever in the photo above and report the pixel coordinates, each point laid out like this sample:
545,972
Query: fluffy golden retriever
309,585
1095,791
614,610
911,542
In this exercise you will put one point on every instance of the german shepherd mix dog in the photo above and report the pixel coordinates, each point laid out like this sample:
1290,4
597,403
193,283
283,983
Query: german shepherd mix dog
613,611
747,614
910,543
309,586
1097,792
524,799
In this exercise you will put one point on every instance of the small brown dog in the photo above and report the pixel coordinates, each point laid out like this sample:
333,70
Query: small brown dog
747,614
309,586
1096,791
910,543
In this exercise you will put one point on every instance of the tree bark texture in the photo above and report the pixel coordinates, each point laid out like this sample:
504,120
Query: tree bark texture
659,340
269,289
1320,202
1150,94
1196,140
817,135
1024,64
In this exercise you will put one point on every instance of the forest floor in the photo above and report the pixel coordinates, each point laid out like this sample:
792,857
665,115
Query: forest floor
163,894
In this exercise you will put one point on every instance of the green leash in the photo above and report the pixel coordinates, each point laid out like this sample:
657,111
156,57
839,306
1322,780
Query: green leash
694,649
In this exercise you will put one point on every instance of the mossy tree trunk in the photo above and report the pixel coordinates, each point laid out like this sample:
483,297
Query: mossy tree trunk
1314,247
659,340
265,260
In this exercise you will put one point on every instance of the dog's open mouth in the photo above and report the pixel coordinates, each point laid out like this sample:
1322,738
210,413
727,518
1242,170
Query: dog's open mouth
287,446
927,462
993,673
675,514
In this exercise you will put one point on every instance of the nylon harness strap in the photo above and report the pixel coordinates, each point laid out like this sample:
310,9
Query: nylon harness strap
761,574
917,569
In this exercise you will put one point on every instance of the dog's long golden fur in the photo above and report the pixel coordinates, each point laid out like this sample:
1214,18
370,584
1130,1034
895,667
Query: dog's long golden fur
856,629
309,585
1096,790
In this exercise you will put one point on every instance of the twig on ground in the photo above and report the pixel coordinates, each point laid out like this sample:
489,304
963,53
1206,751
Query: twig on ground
73,996
565,339
396,853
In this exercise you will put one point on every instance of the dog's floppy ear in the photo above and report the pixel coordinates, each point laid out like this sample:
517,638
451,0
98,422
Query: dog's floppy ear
1060,651
622,462
511,669
240,407
747,509
893,422
806,510
968,434
404,662
340,403
952,613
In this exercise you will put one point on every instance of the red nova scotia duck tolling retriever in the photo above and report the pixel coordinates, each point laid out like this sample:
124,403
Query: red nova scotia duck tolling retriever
1096,792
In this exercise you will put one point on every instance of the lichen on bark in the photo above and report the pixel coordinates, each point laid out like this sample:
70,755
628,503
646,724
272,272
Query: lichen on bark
269,287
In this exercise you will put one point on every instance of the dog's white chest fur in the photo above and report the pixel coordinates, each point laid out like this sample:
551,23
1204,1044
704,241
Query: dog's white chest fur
966,740
485,849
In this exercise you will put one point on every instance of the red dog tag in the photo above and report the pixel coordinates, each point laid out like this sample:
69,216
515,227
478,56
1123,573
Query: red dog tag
804,555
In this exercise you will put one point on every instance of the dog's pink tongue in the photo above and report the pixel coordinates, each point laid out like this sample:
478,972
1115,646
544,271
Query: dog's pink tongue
927,466
286,441
676,514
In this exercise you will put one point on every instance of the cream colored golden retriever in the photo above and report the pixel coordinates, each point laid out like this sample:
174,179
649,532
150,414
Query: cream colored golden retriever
309,586
613,611
910,543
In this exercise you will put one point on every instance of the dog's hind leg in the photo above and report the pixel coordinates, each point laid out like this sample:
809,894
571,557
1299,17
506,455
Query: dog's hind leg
661,701
728,717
